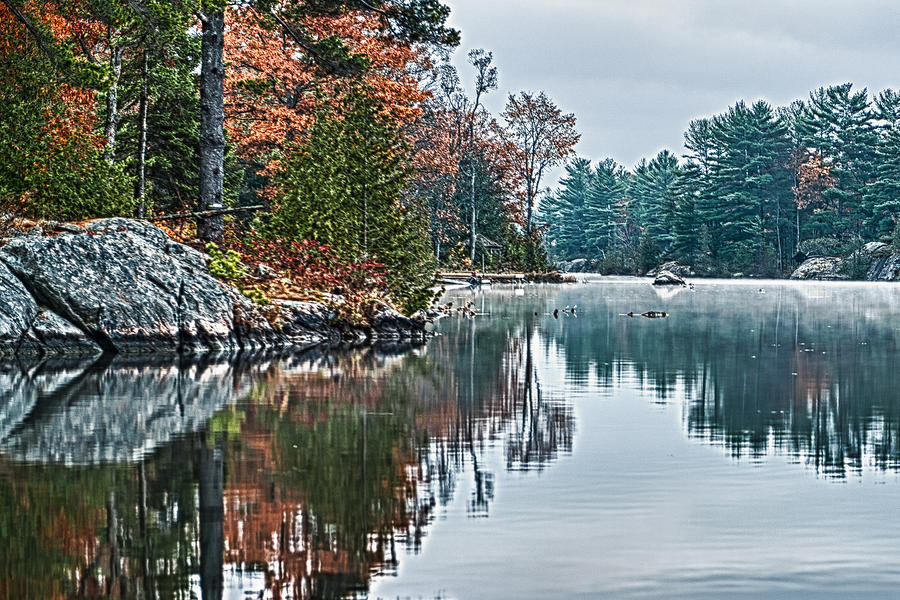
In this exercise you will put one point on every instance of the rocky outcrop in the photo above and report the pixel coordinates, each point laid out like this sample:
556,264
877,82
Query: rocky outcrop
876,260
668,278
673,267
885,264
121,285
821,268
886,268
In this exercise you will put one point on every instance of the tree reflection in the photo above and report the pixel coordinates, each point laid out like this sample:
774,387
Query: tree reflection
298,476
806,371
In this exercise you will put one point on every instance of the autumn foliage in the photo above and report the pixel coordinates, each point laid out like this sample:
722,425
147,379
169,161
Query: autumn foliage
274,90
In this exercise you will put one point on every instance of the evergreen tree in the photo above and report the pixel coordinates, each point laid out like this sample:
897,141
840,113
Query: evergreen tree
564,211
601,208
343,188
838,124
751,184
685,234
653,191
883,194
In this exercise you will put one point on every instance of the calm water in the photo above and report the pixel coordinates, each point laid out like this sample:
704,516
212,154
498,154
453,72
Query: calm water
746,446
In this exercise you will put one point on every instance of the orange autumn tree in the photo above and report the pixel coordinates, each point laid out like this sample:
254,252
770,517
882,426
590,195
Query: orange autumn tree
50,154
273,86
813,178
334,145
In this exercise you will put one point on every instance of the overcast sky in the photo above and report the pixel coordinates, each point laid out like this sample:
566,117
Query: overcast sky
635,72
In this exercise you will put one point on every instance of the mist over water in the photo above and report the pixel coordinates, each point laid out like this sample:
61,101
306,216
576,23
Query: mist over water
746,445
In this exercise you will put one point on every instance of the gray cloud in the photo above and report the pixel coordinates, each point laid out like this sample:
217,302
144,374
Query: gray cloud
635,72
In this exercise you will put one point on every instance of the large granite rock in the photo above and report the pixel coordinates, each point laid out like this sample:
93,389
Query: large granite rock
122,285
27,328
668,278
885,265
579,265
885,268
130,288
821,268
17,310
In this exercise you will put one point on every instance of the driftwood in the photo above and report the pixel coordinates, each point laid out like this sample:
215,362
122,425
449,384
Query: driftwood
207,213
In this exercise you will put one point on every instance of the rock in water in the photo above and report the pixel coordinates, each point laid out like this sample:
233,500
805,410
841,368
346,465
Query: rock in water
668,278
128,287
121,285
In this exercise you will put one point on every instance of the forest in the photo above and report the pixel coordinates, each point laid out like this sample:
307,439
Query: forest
331,139
759,189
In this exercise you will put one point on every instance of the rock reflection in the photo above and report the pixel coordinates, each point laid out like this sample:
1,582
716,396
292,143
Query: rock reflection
286,477
111,409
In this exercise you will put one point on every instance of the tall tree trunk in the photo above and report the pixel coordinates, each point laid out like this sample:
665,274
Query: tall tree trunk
530,199
142,140
472,215
212,122
112,98
209,466
778,235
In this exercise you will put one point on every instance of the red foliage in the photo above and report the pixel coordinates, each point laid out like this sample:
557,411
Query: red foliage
312,266
77,119
272,85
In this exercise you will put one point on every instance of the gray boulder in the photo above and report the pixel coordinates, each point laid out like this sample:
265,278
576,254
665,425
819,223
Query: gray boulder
306,323
668,278
885,267
17,310
390,324
27,328
821,268
579,265
120,285
51,334
129,288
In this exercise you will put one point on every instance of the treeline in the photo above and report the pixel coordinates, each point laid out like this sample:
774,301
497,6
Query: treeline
759,189
343,118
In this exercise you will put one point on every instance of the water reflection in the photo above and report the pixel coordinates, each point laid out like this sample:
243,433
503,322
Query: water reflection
306,476
807,371
287,477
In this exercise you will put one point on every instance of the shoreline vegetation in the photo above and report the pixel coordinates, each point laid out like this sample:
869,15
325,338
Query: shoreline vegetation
333,142
124,286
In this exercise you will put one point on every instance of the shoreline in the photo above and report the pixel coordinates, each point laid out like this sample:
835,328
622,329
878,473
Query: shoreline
122,286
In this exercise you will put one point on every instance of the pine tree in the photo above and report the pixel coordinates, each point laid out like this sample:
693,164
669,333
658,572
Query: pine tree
653,192
685,234
601,208
838,124
564,211
343,188
751,184
883,194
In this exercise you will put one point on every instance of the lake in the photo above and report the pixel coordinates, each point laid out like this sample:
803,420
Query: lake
745,445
